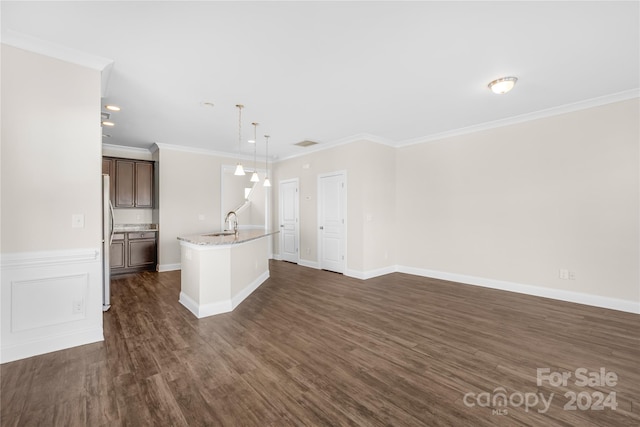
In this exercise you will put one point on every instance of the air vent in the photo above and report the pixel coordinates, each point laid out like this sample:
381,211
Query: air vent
305,143
104,116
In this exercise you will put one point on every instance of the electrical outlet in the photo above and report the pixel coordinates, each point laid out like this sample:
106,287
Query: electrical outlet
77,306
564,274
572,275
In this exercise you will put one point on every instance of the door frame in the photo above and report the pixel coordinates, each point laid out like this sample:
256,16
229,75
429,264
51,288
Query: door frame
344,215
297,230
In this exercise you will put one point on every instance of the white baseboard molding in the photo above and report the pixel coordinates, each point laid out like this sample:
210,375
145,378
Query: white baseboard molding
168,267
370,274
50,344
277,257
539,291
225,306
310,264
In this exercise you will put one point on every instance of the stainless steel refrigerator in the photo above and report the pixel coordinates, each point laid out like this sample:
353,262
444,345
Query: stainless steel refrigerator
107,238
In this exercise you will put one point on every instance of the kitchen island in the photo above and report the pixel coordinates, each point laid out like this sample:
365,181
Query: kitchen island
221,269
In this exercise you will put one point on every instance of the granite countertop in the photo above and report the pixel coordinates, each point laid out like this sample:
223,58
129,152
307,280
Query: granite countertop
135,227
210,239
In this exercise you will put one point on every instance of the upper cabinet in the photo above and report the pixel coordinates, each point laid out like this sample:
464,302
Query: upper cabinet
131,182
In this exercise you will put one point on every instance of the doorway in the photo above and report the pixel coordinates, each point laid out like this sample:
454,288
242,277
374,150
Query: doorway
332,190
289,220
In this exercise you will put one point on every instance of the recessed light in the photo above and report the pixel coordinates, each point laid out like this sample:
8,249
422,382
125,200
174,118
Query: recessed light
503,85
207,104
112,107
106,135
106,123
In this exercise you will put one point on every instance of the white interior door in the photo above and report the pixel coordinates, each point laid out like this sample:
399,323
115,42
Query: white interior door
331,221
289,231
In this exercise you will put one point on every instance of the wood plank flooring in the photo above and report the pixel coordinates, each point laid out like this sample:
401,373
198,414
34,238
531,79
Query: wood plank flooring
315,348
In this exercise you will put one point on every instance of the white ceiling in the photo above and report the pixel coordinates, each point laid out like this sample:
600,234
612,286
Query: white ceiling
331,71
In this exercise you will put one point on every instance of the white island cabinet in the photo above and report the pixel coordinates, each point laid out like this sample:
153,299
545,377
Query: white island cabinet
220,270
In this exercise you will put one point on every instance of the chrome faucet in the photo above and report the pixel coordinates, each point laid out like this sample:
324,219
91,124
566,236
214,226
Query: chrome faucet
227,219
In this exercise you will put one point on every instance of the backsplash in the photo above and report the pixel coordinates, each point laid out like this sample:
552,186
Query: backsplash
133,216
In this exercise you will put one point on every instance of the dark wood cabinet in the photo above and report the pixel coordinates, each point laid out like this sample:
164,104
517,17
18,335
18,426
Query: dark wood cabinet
133,251
125,184
117,257
144,185
131,182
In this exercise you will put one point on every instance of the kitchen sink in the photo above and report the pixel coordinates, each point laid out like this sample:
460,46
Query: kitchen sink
221,233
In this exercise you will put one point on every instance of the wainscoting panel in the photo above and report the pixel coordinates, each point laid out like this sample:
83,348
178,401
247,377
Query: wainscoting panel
50,301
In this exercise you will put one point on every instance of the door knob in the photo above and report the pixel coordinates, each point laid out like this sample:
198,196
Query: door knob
281,225
321,227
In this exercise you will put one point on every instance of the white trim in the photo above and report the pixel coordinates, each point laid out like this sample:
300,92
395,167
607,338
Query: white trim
339,142
370,274
225,306
297,215
549,112
204,310
248,290
539,291
310,264
50,344
276,257
194,150
169,267
47,258
345,213
126,148
53,50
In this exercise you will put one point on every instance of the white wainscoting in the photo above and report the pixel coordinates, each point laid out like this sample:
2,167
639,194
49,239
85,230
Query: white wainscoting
50,301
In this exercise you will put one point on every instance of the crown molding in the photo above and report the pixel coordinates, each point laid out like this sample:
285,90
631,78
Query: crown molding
337,143
126,148
193,150
43,47
549,112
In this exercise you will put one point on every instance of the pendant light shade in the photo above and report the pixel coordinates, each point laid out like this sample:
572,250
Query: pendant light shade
239,169
254,175
267,183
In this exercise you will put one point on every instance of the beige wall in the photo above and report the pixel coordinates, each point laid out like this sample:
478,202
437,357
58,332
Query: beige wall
189,186
520,202
51,153
370,170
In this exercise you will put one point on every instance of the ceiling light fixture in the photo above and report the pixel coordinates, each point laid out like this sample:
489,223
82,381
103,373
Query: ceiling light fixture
254,175
267,183
112,107
106,123
239,169
503,85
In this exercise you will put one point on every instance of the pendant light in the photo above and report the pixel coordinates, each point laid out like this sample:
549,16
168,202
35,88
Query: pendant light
267,183
254,175
239,168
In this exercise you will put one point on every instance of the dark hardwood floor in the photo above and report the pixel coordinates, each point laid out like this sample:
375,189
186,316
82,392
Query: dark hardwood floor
315,348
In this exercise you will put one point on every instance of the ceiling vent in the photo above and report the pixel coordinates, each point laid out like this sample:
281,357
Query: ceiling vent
104,116
305,143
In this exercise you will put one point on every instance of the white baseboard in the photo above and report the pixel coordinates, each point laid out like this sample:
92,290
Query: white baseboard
277,257
225,306
50,344
168,267
310,264
370,274
540,291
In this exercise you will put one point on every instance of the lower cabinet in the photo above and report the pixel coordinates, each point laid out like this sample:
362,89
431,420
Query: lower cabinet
133,251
